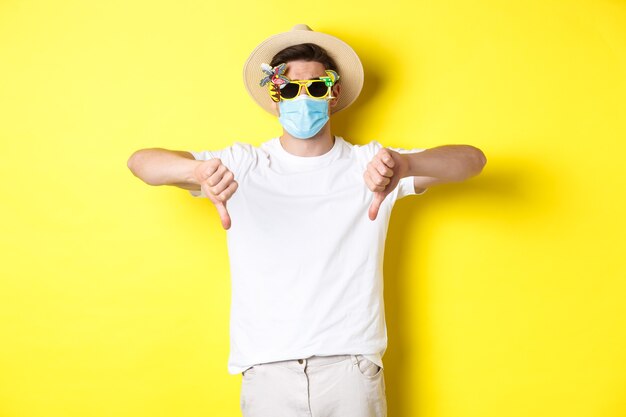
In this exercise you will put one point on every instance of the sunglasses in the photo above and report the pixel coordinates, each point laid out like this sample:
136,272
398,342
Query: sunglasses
314,88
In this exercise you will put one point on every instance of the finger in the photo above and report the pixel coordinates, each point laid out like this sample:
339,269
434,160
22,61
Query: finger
224,216
228,192
381,168
379,180
373,183
375,206
216,177
225,194
370,183
226,180
385,156
207,169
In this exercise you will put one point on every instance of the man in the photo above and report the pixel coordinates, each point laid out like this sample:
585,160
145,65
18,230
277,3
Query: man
307,217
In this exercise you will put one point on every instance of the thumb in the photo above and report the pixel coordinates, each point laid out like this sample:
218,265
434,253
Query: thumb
378,199
224,216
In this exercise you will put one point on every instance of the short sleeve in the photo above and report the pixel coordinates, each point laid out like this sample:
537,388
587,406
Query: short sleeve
238,158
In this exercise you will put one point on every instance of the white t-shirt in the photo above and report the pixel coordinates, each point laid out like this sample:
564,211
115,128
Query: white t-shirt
306,261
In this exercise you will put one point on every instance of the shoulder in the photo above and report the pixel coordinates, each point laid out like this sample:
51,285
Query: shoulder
240,157
361,152
236,149
269,146
370,149
249,156
243,149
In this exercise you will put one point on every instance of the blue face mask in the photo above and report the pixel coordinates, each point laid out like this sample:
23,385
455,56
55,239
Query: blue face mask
303,116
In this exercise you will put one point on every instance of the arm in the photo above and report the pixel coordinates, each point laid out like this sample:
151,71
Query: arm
444,164
439,165
157,166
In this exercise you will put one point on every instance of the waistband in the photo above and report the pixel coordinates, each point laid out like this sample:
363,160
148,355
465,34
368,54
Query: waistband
314,360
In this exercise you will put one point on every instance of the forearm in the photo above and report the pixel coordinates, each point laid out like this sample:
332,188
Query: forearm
448,163
157,166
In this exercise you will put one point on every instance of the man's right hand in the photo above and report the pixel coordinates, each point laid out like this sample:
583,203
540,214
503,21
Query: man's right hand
218,184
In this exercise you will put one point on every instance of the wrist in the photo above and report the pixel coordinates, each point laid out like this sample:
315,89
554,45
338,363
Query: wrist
413,165
405,165
190,175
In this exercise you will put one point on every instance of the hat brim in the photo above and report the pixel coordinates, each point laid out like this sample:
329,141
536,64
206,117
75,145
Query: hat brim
349,66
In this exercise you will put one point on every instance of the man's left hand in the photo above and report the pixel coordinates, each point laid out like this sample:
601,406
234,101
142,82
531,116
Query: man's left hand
382,176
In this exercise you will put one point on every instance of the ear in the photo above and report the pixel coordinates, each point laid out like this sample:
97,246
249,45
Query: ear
336,93
276,108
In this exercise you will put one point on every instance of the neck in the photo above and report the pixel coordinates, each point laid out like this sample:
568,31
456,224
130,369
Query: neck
318,145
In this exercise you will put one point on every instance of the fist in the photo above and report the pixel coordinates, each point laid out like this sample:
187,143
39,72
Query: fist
218,184
382,176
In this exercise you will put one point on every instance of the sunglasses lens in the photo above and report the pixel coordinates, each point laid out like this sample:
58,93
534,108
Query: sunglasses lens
290,90
317,89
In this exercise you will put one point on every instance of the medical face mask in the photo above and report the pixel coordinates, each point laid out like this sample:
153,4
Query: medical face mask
303,116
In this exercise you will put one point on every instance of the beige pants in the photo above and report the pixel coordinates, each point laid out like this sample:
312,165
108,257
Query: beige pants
318,386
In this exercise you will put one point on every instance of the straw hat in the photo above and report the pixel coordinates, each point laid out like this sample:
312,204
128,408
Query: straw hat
349,65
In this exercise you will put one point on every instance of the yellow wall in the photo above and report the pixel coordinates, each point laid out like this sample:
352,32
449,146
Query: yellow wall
505,293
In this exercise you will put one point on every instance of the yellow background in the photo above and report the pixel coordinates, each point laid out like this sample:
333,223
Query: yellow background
504,294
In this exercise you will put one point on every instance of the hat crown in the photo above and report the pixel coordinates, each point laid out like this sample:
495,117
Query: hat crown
302,27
